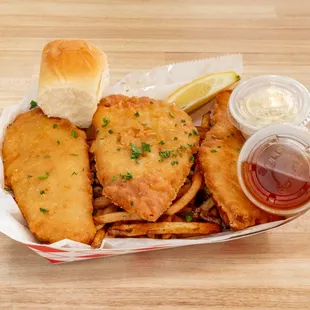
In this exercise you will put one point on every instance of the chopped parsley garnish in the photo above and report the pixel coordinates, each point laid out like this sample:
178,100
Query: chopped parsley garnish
105,122
174,155
47,156
214,137
42,192
8,189
74,134
55,126
175,162
110,131
127,90
219,147
43,210
175,138
118,149
183,147
183,120
146,147
213,151
45,176
131,203
126,177
97,131
29,176
190,134
190,145
162,142
165,154
33,104
73,154
136,152
192,159
137,114
188,216
114,178
58,142
195,132
161,160
238,149
118,140
74,173
171,114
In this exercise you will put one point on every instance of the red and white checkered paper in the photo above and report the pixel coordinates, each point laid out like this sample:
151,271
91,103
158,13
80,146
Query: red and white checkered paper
157,83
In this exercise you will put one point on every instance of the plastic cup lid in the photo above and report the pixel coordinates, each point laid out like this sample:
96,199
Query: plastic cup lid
274,169
269,99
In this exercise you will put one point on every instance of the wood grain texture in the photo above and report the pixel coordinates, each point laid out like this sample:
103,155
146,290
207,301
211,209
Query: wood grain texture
268,271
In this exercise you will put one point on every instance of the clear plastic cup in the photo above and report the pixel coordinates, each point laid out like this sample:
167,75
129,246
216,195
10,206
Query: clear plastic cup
274,169
268,99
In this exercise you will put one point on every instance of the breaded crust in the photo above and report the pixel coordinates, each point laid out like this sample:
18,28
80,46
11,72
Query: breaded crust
148,182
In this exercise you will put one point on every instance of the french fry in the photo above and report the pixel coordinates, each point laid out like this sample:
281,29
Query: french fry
109,209
101,202
116,217
205,122
191,193
98,227
100,234
183,190
176,228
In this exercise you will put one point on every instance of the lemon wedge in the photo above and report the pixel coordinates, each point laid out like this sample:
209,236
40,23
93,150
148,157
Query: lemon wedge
193,95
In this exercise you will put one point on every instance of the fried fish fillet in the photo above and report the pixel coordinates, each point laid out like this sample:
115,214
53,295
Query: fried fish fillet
144,151
46,164
218,157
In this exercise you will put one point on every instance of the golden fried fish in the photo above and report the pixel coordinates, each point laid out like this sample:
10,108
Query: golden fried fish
144,151
218,157
46,164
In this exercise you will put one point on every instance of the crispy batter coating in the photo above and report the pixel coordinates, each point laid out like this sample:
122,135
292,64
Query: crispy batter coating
218,157
144,151
46,164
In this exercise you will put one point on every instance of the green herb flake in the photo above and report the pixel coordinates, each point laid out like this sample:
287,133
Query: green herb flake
74,134
44,210
114,178
55,126
73,154
162,142
190,145
118,140
161,160
175,138
183,147
146,147
190,134
74,173
219,147
126,177
45,176
118,149
8,189
238,149
192,159
188,216
213,151
136,152
165,154
183,121
131,203
176,125
29,176
110,131
47,156
137,114
195,132
214,137
58,142
175,162
105,122
171,114
42,192
33,104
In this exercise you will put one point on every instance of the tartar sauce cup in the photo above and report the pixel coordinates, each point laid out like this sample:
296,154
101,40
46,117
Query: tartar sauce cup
274,169
268,99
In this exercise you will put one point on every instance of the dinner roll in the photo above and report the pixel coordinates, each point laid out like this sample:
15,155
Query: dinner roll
73,76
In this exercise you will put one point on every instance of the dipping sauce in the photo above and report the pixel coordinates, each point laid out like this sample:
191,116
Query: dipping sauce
274,169
266,100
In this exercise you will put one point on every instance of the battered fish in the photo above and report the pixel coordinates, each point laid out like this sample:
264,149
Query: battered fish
218,157
144,151
46,164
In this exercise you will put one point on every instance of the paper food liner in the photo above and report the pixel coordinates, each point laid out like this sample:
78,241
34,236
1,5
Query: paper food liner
157,83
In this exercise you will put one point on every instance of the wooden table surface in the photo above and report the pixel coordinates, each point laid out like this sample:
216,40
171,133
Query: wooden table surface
268,271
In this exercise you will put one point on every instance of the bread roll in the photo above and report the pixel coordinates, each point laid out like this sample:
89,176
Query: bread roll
73,76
